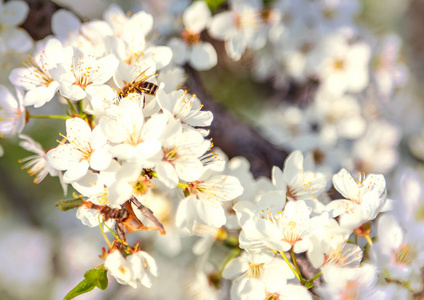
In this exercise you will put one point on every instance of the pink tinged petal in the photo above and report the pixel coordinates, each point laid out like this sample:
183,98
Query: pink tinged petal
346,185
14,13
77,129
167,174
76,171
293,167
64,22
104,69
235,267
211,212
221,24
179,50
203,56
100,159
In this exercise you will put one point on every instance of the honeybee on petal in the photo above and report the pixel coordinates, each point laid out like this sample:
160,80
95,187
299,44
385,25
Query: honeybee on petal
139,85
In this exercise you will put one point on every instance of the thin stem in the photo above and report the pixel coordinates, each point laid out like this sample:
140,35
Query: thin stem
296,266
315,277
81,110
368,238
104,234
356,239
290,265
50,117
71,105
111,231
233,254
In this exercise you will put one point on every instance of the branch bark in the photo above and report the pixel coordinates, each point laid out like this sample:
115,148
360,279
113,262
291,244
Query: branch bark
234,137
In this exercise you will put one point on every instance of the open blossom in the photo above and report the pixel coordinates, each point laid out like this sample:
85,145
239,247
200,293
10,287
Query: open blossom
365,198
204,204
242,27
136,268
351,283
255,273
189,48
12,113
85,149
341,66
36,78
399,251
329,245
38,164
81,70
277,229
297,183
182,153
134,136
184,107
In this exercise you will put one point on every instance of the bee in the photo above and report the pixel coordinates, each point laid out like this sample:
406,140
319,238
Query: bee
125,219
139,85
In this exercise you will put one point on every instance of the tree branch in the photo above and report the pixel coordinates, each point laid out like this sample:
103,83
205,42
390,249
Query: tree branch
234,137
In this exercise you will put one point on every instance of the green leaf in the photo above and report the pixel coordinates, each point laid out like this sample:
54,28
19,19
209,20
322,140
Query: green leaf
98,277
65,205
94,277
83,287
214,4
